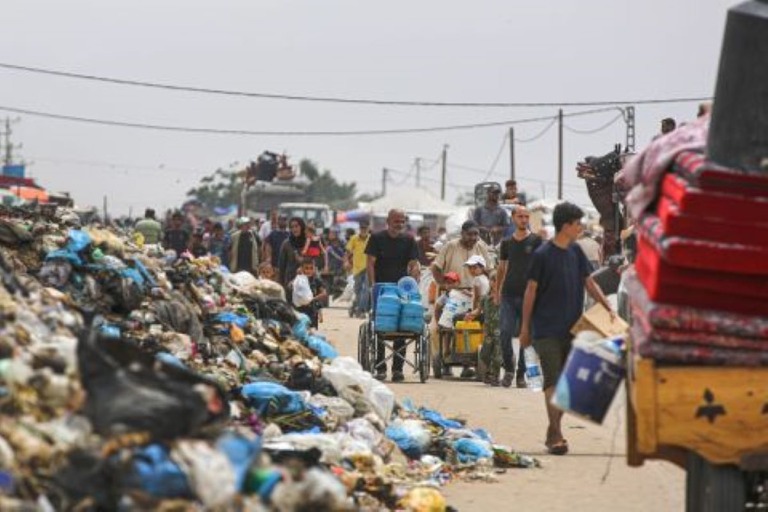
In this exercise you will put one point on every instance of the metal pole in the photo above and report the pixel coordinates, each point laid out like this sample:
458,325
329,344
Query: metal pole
384,181
418,172
442,177
512,152
560,154
630,120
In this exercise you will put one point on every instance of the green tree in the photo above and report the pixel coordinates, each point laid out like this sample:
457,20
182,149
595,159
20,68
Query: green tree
324,188
221,189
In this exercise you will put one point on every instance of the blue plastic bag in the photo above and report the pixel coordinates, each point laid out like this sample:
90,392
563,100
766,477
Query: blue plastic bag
410,436
438,419
231,318
470,450
272,397
155,473
301,327
241,452
77,240
321,347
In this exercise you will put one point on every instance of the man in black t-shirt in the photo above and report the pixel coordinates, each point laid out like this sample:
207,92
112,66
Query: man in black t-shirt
514,260
391,255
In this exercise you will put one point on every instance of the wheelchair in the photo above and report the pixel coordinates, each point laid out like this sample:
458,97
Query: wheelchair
369,339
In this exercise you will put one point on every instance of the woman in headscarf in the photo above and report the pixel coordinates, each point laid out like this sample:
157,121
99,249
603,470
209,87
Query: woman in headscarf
290,252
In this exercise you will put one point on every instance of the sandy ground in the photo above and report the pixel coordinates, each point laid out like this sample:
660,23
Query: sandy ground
592,477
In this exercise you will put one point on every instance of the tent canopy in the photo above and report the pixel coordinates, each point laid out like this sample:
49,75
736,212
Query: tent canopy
412,199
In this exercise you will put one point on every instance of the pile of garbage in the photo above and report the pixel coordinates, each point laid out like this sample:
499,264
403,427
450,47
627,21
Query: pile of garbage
131,379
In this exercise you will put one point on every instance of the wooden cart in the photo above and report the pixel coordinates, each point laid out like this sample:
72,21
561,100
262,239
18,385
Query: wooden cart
711,421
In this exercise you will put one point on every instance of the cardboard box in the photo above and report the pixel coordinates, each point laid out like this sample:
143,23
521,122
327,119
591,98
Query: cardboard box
598,319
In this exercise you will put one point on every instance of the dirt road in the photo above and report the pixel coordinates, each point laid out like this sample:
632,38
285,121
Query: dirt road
592,477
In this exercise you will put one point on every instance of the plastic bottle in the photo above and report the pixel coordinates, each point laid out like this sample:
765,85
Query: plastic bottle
533,377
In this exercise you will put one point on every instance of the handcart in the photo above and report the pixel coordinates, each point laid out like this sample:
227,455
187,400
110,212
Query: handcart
459,346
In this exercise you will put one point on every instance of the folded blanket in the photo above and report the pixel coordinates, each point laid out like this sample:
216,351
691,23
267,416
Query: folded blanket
694,168
703,254
640,178
743,294
681,337
693,354
694,201
675,223
669,317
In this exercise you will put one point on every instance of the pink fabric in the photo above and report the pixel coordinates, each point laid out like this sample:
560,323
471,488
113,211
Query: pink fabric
640,178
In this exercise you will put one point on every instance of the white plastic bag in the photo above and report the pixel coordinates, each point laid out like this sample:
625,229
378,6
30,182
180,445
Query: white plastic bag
302,293
457,303
349,290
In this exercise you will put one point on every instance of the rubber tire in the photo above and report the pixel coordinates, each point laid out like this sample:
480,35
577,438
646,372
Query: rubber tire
695,487
437,367
714,488
424,358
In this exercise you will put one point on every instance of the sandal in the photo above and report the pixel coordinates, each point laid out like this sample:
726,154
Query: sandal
558,448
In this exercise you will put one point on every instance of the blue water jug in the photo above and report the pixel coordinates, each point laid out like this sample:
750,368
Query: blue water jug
387,307
412,314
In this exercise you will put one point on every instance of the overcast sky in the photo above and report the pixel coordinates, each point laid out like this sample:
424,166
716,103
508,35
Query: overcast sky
478,51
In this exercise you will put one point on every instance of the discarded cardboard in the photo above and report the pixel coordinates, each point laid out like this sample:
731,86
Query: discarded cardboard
598,319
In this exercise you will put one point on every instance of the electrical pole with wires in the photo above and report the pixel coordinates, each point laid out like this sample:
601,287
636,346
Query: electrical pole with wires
512,152
560,154
384,172
629,118
443,158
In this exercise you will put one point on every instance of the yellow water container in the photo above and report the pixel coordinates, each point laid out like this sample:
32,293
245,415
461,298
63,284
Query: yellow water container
469,336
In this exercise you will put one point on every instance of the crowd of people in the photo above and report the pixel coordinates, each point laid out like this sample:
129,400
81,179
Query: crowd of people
515,281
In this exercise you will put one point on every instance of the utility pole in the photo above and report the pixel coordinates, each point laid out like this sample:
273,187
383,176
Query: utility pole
442,177
560,154
384,172
629,118
512,152
418,172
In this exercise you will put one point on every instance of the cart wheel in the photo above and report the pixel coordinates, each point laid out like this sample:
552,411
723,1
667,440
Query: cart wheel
424,358
694,482
712,488
362,346
373,340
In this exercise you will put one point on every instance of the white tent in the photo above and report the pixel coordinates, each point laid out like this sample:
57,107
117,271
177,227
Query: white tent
412,200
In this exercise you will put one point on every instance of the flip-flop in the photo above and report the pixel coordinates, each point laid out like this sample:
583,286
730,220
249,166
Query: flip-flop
558,448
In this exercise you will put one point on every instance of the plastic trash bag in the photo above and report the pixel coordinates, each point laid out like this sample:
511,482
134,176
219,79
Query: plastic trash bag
270,398
155,473
423,499
210,473
128,390
321,347
469,450
302,293
438,419
241,452
457,303
350,381
349,289
411,436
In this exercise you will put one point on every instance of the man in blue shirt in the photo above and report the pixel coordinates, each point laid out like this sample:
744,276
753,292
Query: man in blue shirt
553,302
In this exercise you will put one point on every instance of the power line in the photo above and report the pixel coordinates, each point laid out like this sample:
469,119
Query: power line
498,156
594,130
220,131
540,134
331,99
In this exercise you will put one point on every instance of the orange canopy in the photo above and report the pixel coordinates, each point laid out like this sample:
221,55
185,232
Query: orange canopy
31,193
